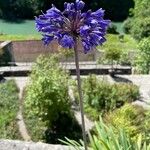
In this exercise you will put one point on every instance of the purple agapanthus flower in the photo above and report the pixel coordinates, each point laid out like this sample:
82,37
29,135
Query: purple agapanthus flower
89,27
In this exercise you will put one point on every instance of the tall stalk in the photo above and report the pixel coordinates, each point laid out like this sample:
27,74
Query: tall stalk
80,92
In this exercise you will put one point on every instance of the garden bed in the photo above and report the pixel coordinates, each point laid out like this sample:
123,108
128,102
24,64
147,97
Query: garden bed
9,105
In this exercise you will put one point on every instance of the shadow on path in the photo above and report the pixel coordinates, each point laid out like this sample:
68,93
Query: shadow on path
121,79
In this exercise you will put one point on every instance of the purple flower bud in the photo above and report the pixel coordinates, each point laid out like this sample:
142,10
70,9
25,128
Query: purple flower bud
99,13
67,41
79,4
47,39
84,30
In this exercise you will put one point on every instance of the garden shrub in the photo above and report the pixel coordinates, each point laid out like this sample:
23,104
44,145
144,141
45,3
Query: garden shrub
9,106
126,59
103,96
133,119
111,56
105,138
142,61
47,102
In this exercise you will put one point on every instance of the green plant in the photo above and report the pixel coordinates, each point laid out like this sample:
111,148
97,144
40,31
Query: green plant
140,28
138,25
47,92
9,105
142,62
103,96
106,139
126,59
47,102
113,55
129,118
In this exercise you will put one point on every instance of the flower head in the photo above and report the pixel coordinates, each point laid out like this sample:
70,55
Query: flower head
89,27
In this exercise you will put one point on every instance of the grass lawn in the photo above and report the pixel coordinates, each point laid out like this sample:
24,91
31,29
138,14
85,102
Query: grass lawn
9,105
127,44
19,37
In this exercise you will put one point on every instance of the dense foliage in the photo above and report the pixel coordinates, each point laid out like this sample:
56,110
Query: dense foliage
116,10
129,118
139,24
106,139
104,96
47,104
142,62
20,8
9,105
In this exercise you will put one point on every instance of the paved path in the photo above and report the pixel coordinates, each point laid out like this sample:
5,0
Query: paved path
88,123
21,83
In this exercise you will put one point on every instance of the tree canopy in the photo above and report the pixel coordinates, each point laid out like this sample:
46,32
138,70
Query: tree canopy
116,10
138,25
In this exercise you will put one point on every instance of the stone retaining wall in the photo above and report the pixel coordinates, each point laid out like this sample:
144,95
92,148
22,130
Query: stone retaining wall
29,50
20,145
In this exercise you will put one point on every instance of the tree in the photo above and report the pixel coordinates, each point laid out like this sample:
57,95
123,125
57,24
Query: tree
142,61
139,23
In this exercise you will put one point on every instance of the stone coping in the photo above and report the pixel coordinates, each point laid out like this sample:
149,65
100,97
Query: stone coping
22,145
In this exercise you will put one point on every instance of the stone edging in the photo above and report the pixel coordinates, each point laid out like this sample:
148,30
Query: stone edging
21,145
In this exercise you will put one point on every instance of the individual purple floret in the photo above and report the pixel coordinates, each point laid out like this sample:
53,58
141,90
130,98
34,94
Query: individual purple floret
89,27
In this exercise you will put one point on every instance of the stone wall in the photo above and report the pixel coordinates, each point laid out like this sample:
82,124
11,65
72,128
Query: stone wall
20,145
28,51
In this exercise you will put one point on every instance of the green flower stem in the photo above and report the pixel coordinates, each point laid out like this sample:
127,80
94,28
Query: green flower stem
80,92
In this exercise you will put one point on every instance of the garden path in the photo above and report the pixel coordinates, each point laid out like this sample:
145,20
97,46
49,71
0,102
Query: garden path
21,83
88,123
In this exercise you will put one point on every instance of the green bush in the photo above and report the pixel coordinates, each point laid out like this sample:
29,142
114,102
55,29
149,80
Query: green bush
142,62
104,96
9,105
126,58
47,102
112,55
105,138
133,119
